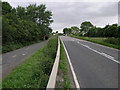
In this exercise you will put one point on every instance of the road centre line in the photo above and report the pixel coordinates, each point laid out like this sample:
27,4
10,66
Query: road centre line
107,55
101,53
14,56
24,53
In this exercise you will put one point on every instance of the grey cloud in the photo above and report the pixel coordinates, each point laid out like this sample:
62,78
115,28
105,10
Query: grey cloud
67,14
98,13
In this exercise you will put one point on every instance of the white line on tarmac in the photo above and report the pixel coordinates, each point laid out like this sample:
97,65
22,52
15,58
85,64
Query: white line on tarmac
97,44
24,54
14,56
107,55
101,53
71,67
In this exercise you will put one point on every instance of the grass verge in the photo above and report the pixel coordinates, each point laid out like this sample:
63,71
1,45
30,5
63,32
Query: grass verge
35,71
63,74
110,42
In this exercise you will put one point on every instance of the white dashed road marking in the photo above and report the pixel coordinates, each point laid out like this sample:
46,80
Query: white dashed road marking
101,53
24,54
14,56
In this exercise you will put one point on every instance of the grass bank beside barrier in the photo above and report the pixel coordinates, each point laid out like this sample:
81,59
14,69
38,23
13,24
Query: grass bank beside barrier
110,42
35,71
63,72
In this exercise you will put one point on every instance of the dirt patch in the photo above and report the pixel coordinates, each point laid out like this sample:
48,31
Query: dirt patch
60,79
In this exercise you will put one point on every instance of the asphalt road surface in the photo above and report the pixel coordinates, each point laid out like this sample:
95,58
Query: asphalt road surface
12,59
95,66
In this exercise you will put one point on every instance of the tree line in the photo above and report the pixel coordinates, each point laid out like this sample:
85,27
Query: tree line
25,24
89,30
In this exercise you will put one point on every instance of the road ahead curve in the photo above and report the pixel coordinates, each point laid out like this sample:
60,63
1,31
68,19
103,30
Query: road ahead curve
95,66
12,59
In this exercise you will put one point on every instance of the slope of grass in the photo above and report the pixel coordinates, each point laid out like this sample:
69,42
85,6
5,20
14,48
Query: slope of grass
110,42
35,71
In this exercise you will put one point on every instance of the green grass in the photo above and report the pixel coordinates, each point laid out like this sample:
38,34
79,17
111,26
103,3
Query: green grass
63,66
35,71
110,42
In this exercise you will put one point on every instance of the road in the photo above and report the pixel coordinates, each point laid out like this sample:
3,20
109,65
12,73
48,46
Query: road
12,59
95,66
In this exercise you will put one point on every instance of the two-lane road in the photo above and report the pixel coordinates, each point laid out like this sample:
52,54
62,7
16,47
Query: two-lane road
12,59
95,66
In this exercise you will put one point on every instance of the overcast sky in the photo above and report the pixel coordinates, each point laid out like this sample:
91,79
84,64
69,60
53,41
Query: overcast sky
73,13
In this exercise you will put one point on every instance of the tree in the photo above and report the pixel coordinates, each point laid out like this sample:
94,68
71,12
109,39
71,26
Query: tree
91,32
42,17
21,12
6,34
67,30
25,24
99,32
75,30
86,26
118,33
111,30
6,8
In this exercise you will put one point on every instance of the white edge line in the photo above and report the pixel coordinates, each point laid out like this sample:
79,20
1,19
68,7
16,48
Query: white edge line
73,72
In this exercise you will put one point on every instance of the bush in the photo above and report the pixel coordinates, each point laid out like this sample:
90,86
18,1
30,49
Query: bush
114,41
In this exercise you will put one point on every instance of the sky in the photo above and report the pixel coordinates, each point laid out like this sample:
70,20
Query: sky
67,13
